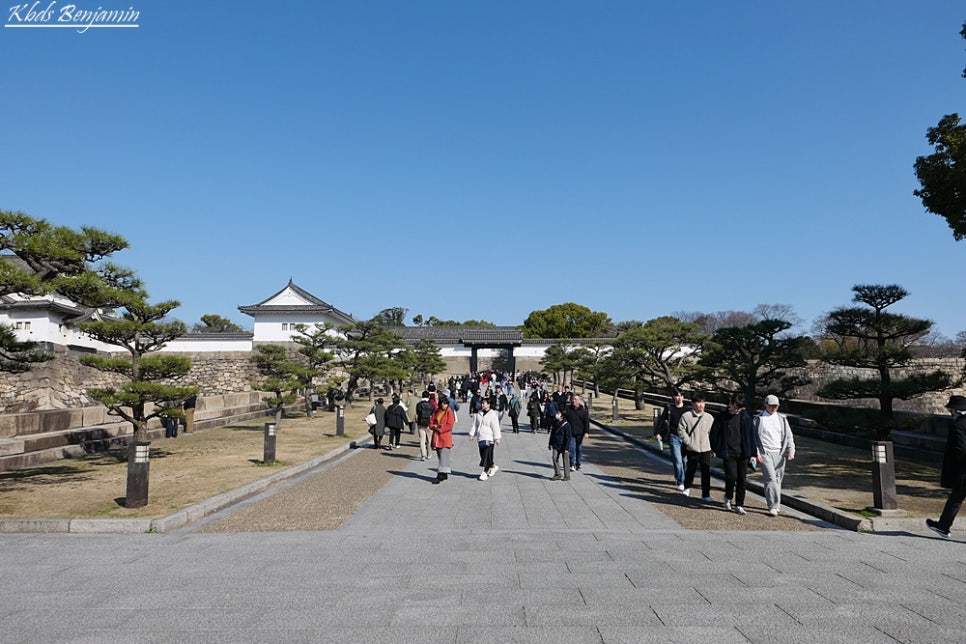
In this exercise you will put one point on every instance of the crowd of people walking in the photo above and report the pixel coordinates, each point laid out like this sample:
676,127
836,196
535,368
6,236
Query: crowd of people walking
742,440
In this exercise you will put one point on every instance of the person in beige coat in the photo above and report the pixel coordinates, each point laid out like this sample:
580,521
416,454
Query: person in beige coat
695,428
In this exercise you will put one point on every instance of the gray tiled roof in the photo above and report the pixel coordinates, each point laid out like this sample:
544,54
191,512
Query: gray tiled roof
316,306
462,334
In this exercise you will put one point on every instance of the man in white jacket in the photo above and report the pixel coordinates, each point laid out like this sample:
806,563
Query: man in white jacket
486,431
776,446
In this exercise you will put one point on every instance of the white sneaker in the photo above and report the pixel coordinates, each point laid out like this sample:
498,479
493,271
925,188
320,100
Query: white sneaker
686,492
484,476
727,504
740,510
680,488
493,470
773,512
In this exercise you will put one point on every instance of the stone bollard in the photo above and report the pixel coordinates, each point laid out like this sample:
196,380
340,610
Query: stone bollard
268,456
138,473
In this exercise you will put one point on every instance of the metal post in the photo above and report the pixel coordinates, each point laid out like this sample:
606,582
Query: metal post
655,421
340,421
269,453
883,476
138,471
614,415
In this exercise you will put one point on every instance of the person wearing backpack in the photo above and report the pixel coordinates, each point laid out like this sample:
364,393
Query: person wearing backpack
424,411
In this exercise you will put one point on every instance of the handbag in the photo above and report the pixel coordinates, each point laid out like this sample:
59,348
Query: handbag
371,420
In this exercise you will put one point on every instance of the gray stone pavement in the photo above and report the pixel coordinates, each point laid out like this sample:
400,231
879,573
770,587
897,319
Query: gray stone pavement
517,558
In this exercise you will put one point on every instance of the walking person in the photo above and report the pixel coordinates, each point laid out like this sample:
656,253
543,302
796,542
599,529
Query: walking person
533,413
561,438
396,419
189,413
379,428
953,474
411,402
441,423
579,420
515,407
733,439
775,447
486,432
695,430
424,412
668,428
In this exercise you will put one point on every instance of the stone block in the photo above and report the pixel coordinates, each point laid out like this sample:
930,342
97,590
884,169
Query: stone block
94,416
56,421
110,526
34,525
9,447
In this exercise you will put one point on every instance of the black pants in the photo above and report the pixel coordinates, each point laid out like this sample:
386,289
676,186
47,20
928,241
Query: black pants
735,469
953,504
394,436
486,456
515,421
704,460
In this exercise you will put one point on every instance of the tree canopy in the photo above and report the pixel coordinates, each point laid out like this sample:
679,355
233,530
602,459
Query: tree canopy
662,352
213,323
870,337
370,350
565,321
754,359
41,258
942,174
141,331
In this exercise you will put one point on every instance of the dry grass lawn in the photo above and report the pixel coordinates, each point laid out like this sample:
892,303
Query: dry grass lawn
184,470
835,475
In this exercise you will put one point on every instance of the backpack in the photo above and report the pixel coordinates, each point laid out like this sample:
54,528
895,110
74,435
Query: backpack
424,411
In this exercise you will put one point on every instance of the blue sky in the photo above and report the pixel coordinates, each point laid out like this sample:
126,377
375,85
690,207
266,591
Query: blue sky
482,160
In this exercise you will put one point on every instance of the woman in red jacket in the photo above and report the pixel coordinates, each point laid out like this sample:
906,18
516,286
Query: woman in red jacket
441,423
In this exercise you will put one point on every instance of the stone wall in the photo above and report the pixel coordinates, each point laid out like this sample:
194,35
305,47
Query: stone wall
63,382
931,403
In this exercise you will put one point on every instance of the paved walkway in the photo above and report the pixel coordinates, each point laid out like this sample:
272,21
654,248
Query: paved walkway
517,558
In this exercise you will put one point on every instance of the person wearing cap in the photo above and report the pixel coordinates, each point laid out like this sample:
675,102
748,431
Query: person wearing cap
953,476
775,446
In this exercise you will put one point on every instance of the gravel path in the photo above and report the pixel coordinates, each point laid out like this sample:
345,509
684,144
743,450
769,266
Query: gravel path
326,499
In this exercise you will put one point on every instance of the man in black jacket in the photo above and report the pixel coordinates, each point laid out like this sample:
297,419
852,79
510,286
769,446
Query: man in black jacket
668,428
733,440
954,467
579,420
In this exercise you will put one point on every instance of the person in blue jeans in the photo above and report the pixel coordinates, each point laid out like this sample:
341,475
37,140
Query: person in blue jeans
579,419
668,428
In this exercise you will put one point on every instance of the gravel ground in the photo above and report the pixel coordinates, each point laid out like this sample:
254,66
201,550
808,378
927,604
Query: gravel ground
324,501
